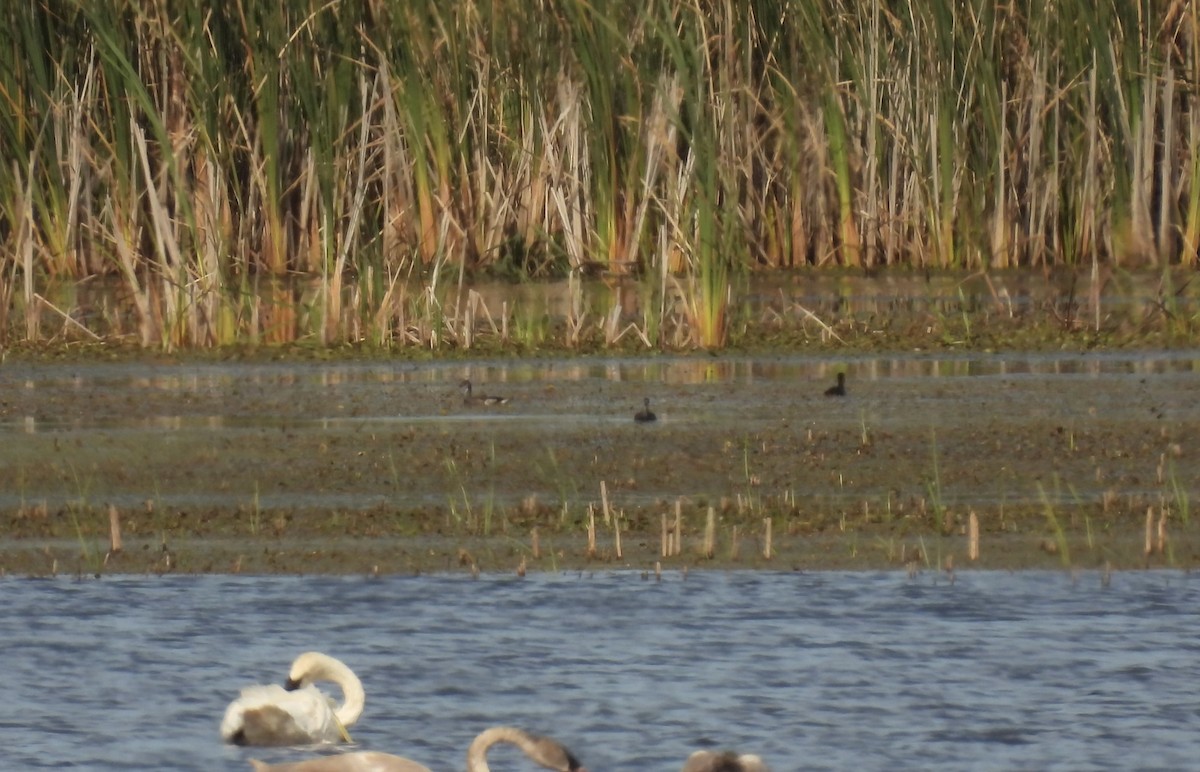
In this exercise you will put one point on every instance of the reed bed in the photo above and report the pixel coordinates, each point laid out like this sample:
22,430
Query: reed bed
258,172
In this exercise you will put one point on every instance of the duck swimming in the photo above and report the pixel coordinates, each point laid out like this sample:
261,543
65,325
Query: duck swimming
481,399
838,389
644,416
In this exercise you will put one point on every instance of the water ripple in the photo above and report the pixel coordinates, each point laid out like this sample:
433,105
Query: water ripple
826,671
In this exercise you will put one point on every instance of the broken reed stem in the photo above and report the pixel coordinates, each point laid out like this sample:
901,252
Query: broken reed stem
677,546
521,567
604,502
710,533
1149,531
591,532
767,538
617,535
114,529
1162,531
972,536
535,544
658,569
664,543
733,544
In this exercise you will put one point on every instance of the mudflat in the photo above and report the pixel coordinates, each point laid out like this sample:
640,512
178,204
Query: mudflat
1071,460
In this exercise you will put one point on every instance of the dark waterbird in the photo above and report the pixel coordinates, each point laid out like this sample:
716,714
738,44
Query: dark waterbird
838,389
480,399
644,416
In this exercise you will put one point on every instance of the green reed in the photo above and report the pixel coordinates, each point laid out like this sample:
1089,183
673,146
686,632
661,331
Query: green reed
189,153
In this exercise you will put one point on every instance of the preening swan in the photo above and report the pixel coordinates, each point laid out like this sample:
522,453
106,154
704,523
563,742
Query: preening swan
541,750
708,761
297,713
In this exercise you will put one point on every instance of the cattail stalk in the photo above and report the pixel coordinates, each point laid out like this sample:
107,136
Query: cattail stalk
678,545
591,532
114,529
710,533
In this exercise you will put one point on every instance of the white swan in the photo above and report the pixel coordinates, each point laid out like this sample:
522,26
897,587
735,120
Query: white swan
708,761
297,713
361,761
541,750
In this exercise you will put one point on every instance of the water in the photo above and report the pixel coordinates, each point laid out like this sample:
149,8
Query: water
828,671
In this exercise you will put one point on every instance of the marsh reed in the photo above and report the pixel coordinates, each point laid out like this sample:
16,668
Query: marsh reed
339,172
116,545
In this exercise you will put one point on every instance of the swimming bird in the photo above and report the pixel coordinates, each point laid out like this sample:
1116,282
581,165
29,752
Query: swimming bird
839,389
470,399
644,416
541,750
297,713
360,761
726,761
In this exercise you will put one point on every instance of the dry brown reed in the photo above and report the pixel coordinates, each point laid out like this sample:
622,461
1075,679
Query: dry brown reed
114,530
604,503
710,534
266,172
972,536
677,540
591,532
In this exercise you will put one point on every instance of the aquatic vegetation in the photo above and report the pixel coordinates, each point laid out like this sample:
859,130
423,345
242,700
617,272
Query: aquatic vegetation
266,173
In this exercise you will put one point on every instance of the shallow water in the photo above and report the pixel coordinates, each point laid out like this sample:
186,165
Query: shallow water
123,431
827,671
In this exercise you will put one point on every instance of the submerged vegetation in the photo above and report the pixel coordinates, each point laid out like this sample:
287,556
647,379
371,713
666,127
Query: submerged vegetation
339,172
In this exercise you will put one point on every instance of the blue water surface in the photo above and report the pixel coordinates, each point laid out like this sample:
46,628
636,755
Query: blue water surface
819,671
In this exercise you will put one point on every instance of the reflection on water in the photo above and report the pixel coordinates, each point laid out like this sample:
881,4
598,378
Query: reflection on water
81,415
799,299
23,383
826,671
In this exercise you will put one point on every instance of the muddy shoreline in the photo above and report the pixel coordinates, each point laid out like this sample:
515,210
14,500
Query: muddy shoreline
358,468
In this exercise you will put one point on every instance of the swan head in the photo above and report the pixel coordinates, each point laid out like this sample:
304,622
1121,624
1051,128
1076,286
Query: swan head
313,666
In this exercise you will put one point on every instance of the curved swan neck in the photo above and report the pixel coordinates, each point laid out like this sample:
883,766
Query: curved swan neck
541,750
314,666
